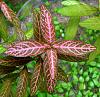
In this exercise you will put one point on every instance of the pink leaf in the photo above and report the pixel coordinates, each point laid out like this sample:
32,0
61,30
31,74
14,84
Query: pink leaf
73,48
11,16
50,68
46,24
26,48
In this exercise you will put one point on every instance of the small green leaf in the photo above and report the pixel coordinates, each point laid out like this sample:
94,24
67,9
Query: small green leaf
85,74
75,79
98,65
94,54
66,94
55,95
93,63
79,94
29,34
60,90
81,9
64,85
49,95
95,82
41,94
82,86
2,49
91,84
95,95
69,2
81,79
91,23
71,93
87,78
72,28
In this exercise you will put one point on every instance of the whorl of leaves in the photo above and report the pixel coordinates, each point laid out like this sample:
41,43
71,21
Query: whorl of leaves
46,47
22,83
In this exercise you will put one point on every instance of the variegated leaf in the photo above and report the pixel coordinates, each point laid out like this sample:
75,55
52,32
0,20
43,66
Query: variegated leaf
46,25
22,84
26,48
72,58
73,48
6,69
36,25
50,69
11,16
35,78
6,88
61,75
42,82
14,61
7,11
11,76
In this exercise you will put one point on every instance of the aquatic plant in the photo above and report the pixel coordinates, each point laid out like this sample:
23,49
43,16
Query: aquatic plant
45,49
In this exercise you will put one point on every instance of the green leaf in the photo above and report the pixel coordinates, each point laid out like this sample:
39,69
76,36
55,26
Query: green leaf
91,84
71,93
40,94
25,10
87,78
96,82
2,49
82,86
81,9
3,28
94,54
75,79
29,34
12,38
95,95
93,63
79,94
72,28
69,2
81,79
60,90
91,23
49,95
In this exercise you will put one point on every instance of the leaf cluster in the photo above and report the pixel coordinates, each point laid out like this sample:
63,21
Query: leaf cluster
45,49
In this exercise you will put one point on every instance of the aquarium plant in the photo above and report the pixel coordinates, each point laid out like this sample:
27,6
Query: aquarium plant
44,48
